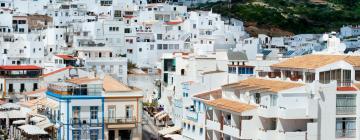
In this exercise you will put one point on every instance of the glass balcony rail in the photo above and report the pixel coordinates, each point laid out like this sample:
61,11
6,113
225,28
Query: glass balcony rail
346,110
345,133
76,90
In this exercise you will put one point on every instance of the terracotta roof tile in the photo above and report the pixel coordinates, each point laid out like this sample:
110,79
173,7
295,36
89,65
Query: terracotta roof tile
112,85
206,95
230,105
270,85
57,71
20,67
82,80
316,61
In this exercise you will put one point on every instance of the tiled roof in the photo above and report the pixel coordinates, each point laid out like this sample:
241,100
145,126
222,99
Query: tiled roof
316,61
82,80
57,71
66,57
230,105
269,85
36,91
112,85
206,95
236,55
20,67
357,85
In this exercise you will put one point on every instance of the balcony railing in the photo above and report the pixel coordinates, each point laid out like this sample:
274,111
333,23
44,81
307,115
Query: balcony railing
120,120
345,133
79,122
346,110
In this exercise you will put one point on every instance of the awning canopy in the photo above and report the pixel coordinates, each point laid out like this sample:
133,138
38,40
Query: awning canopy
32,130
158,114
174,136
19,122
162,116
169,130
37,119
12,114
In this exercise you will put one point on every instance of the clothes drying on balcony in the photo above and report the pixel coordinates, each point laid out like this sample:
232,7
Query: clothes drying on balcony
32,130
169,130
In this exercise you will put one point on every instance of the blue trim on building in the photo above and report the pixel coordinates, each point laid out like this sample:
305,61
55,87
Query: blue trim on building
49,93
103,118
68,117
58,121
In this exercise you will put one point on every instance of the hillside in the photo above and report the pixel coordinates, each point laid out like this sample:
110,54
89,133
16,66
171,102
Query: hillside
286,17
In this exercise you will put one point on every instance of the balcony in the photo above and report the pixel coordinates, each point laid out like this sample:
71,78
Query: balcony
301,135
79,122
268,112
346,133
192,115
120,120
232,131
348,110
70,89
213,125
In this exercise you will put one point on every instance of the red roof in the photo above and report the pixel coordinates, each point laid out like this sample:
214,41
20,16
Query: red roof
173,22
65,57
346,89
19,67
128,16
56,71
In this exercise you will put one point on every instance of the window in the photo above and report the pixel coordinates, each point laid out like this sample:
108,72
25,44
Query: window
179,28
22,87
76,134
346,104
2,4
201,130
257,98
165,46
11,88
129,112
232,69
210,22
159,46
76,114
117,13
193,128
345,127
245,70
127,30
94,112
159,36
194,26
5,51
273,99
35,86
94,134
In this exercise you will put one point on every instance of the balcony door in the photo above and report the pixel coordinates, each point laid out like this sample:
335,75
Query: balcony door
129,111
111,113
